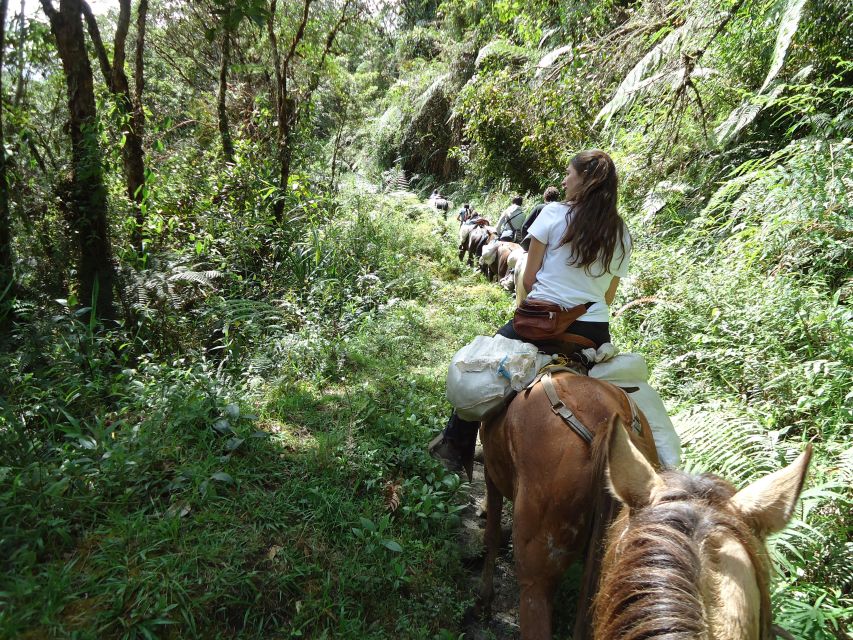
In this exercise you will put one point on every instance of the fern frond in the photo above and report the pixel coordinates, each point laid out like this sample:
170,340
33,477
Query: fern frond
204,278
630,87
787,29
721,440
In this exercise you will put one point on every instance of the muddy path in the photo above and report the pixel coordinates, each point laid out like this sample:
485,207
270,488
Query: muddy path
503,624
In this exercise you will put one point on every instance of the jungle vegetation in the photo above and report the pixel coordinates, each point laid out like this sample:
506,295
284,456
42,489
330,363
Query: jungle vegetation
226,313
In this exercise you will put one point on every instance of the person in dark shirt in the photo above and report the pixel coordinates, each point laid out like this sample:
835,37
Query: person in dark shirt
464,213
552,194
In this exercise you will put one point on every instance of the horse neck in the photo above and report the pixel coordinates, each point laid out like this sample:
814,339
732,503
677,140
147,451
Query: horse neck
682,570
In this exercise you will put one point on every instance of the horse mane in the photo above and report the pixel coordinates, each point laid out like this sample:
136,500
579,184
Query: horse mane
653,588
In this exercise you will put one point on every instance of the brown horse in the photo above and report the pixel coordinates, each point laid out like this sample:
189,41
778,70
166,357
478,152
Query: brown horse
504,251
686,557
552,477
497,267
474,243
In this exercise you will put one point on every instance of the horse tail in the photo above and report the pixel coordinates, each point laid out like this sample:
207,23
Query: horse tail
604,510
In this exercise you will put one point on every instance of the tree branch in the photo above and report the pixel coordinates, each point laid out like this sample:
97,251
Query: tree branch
50,12
276,58
120,40
297,38
175,66
95,35
330,39
139,77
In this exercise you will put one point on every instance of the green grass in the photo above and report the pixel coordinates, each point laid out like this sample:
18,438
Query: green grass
203,506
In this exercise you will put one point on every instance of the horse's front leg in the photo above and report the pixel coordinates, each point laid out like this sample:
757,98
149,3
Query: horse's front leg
494,508
542,555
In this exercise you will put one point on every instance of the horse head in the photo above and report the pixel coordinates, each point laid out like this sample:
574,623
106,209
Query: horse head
686,557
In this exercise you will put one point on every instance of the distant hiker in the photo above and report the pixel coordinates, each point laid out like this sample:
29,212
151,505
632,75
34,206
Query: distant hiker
511,221
552,194
464,213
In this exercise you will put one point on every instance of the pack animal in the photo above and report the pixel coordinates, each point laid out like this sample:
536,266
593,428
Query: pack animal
494,259
686,558
477,238
549,472
555,480
517,261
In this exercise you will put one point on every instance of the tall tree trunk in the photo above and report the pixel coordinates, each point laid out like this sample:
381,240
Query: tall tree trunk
88,206
132,154
224,129
287,107
286,126
137,126
19,87
5,224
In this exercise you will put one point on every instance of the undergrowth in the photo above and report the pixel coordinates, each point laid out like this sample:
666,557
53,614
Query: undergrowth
274,486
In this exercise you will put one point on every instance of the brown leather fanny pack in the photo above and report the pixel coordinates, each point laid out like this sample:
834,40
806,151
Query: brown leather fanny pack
538,320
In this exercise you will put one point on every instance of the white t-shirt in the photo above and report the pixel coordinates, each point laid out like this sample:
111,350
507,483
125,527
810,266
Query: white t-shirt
561,283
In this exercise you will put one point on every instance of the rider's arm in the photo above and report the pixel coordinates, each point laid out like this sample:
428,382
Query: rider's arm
534,263
611,291
501,222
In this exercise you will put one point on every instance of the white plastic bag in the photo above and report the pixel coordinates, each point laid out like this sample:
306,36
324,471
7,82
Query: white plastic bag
490,252
485,371
630,369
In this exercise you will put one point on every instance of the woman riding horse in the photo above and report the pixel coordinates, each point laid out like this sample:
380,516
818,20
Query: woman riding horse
578,251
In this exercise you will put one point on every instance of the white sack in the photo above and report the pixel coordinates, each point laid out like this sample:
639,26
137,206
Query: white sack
490,252
485,371
630,369
514,257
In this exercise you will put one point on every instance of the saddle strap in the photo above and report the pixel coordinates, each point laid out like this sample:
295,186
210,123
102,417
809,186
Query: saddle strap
562,410
552,368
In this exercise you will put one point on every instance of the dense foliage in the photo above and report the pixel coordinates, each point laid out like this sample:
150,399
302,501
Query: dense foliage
237,450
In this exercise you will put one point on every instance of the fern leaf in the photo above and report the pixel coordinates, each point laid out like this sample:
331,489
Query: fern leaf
198,277
721,440
633,82
743,115
787,29
739,118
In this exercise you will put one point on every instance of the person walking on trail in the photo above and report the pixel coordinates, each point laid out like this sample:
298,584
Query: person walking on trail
464,213
552,194
511,221
579,250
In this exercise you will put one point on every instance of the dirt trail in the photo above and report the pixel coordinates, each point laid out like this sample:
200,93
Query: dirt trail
503,624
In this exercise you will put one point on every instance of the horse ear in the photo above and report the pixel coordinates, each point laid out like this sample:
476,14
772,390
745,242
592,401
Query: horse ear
632,479
768,503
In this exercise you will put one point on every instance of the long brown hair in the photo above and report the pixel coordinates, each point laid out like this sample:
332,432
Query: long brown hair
594,225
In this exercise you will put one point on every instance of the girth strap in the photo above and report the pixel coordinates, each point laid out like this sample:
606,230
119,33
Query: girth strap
562,410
